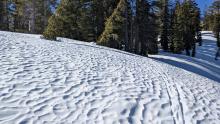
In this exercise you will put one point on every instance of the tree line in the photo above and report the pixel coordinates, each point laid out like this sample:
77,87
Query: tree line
136,26
27,16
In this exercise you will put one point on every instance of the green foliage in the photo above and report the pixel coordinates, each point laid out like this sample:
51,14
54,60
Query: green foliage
3,15
86,24
165,24
186,27
42,14
178,43
113,33
64,22
212,19
146,29
101,10
51,31
30,15
82,20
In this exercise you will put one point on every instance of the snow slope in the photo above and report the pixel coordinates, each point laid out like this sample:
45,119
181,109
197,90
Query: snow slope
75,82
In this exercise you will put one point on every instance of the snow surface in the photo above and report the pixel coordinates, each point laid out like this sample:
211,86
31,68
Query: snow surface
203,64
70,81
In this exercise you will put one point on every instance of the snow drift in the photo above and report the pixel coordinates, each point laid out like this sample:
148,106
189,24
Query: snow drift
75,82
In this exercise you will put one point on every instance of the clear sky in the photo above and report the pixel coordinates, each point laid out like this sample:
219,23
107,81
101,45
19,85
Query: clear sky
204,4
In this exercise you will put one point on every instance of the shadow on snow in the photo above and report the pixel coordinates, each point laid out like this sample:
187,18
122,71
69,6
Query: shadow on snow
203,64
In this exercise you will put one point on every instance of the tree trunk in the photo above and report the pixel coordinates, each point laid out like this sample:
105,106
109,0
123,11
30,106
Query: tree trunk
32,17
126,27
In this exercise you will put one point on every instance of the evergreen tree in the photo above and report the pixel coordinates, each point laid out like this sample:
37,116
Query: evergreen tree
145,29
89,15
177,37
217,29
42,13
152,35
100,11
165,24
209,18
30,15
113,35
86,22
198,27
3,15
186,26
17,15
64,22
98,18
172,31
187,36
216,26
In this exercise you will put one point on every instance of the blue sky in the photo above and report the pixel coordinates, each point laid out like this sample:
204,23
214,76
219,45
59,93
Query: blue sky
204,4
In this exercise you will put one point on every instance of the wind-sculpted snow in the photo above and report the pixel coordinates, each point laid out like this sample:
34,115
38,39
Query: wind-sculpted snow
74,82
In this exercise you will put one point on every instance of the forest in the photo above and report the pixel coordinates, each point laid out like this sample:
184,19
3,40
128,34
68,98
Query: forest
137,26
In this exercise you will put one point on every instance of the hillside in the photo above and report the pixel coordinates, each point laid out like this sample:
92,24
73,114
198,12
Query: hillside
75,82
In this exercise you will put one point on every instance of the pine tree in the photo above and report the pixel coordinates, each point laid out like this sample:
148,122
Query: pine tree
101,10
165,24
217,29
209,20
145,28
30,15
86,22
129,28
98,18
18,13
178,43
186,26
198,27
36,15
192,16
172,31
3,15
216,26
64,22
42,13
91,15
113,35
152,34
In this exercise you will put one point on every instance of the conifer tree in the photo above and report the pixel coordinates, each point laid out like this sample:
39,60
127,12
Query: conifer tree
209,19
86,22
194,24
18,14
64,22
3,15
197,25
100,11
186,26
177,37
145,29
216,26
165,24
172,31
30,15
113,35
217,29
41,14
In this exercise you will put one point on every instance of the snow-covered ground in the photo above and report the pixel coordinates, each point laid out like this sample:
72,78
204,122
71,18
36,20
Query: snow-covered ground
203,64
75,82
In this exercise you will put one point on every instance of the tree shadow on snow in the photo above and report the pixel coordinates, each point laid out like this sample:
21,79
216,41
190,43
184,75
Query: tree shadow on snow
190,68
203,64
